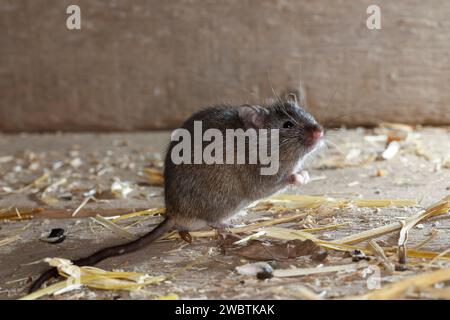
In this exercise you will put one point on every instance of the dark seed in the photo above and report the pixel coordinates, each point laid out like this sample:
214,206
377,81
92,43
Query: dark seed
57,235
264,275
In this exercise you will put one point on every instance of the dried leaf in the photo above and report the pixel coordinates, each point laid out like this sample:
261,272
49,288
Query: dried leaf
396,126
9,240
439,208
397,289
148,212
83,203
114,227
443,293
155,176
213,233
14,214
250,237
92,277
294,201
290,234
170,296
381,256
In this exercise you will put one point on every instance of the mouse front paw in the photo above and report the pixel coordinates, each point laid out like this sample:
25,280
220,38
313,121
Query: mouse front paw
299,178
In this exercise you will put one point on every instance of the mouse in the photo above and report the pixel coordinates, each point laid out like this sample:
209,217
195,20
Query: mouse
203,195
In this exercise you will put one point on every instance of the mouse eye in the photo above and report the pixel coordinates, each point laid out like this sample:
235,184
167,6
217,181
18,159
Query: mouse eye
288,124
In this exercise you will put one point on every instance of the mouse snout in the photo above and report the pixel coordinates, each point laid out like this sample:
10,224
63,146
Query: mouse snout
314,133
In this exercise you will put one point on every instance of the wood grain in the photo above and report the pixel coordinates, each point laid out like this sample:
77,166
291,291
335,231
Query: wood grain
139,64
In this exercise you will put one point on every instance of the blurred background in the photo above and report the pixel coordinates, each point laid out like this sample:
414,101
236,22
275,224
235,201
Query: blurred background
140,64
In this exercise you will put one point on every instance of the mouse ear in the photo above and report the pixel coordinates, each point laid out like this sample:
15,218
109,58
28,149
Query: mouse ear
292,97
253,116
296,96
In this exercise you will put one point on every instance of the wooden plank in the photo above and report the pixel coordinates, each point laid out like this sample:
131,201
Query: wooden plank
149,64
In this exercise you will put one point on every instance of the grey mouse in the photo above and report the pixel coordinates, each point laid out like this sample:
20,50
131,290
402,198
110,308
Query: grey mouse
201,195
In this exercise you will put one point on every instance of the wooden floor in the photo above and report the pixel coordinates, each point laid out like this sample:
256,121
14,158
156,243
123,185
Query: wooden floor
45,178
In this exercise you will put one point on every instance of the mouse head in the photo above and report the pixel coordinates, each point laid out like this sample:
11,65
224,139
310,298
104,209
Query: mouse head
299,132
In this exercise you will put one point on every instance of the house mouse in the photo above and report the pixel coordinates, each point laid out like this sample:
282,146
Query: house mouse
202,195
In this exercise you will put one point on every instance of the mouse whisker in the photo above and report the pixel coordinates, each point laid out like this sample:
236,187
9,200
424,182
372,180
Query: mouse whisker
283,109
334,145
277,97
301,92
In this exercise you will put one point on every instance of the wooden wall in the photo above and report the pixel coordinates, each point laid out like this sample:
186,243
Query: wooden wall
147,64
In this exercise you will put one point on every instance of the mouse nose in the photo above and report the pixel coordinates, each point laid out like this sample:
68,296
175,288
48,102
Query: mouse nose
315,133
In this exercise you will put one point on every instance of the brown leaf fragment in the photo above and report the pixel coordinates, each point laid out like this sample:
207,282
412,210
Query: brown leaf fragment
105,195
226,240
257,250
155,176
396,135
18,214
319,256
302,248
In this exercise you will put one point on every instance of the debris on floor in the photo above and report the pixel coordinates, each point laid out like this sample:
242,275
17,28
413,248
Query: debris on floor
373,223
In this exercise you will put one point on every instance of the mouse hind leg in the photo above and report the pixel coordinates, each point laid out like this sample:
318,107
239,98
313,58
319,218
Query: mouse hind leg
219,224
186,236
225,219
186,224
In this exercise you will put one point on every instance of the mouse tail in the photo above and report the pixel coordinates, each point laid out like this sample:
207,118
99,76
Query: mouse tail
165,226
